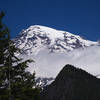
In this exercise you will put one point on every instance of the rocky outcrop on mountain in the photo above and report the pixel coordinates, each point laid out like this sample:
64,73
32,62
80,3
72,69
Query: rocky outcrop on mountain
72,84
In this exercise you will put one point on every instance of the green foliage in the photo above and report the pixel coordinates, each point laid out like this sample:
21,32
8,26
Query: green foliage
4,38
15,82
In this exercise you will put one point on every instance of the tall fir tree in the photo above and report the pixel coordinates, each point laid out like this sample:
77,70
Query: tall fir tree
15,82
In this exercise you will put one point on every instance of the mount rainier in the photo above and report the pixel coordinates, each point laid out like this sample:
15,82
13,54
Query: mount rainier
36,37
51,49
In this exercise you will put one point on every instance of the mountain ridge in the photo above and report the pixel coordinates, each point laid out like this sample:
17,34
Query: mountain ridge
37,37
72,84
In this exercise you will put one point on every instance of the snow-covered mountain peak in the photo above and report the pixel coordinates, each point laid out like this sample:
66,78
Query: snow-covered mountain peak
50,32
36,37
46,31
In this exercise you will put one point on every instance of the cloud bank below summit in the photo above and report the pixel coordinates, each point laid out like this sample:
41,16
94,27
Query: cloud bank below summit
49,64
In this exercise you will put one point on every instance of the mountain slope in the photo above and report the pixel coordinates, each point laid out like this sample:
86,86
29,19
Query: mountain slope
36,37
72,84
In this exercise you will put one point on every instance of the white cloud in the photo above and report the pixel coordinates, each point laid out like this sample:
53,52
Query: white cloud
50,64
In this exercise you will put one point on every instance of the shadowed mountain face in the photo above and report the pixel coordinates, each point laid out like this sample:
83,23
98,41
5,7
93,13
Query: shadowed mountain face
72,84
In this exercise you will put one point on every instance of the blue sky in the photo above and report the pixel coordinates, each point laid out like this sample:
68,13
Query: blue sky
80,17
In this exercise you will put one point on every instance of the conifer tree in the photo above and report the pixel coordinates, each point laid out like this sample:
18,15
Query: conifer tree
15,82
4,40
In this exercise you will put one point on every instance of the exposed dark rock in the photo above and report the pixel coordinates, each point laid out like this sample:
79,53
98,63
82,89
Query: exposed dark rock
72,84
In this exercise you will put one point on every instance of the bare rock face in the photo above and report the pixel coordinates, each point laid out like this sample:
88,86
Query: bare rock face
72,84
